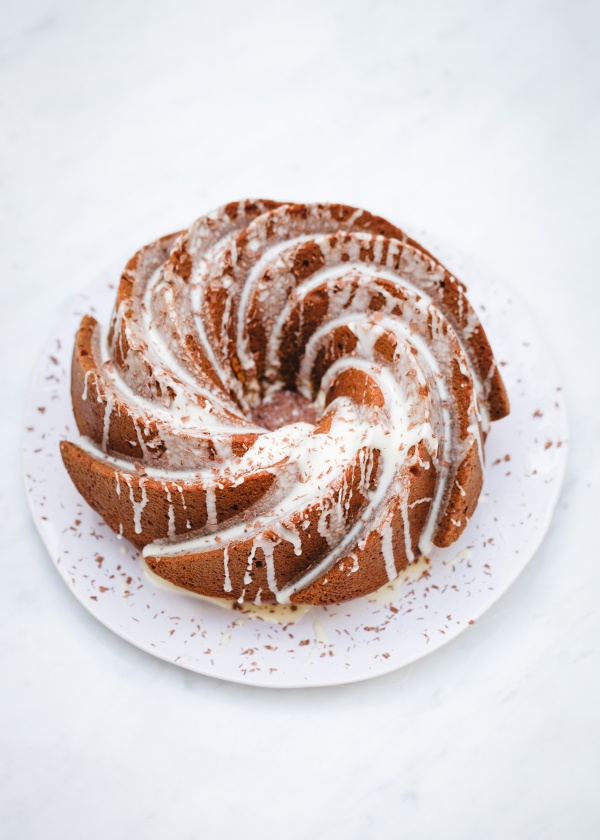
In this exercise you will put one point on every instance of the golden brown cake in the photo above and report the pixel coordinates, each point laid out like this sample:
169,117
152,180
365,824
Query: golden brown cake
289,404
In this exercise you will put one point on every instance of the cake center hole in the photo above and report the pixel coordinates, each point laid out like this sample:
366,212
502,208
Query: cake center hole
282,408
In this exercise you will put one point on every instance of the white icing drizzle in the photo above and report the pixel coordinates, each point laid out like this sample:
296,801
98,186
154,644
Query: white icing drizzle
420,501
268,549
106,426
180,489
140,438
227,584
138,506
387,549
84,394
171,513
290,535
251,556
406,528
211,504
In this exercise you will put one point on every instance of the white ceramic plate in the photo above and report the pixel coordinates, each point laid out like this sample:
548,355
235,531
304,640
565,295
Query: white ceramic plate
418,613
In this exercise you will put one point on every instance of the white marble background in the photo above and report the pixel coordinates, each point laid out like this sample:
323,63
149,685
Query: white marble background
479,121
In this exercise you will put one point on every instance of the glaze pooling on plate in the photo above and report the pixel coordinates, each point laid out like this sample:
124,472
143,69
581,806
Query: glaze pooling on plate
401,622
290,404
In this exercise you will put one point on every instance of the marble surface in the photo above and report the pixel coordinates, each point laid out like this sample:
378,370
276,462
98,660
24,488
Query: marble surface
479,121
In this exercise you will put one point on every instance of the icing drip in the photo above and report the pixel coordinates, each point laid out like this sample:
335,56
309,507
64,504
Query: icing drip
84,394
387,550
211,505
171,513
268,550
227,585
106,427
140,439
406,527
138,506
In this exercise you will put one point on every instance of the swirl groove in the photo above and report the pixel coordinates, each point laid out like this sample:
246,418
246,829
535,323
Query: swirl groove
290,403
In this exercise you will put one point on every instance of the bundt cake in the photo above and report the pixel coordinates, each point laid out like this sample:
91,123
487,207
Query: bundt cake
289,404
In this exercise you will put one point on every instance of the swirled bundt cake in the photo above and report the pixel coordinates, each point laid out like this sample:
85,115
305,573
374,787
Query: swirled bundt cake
289,404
